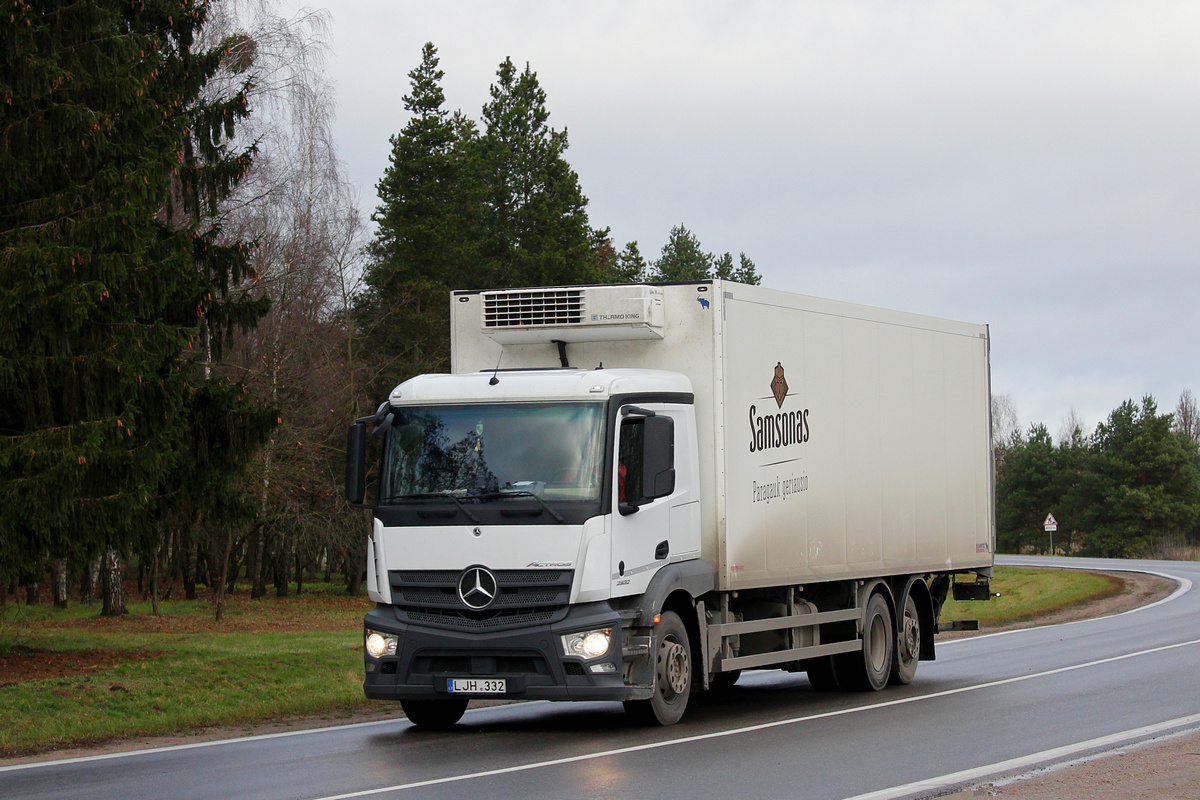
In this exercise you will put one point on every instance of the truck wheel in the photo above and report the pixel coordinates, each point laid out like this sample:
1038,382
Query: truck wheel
434,714
672,675
869,669
908,644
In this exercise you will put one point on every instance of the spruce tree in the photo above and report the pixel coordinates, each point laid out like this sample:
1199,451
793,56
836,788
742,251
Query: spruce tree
535,220
427,240
682,259
100,291
1146,483
746,272
630,266
1024,491
225,425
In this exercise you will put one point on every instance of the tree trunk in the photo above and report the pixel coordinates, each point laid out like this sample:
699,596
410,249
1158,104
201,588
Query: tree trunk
154,555
58,568
355,566
222,576
254,559
283,566
33,593
90,582
191,556
111,583
235,566
259,583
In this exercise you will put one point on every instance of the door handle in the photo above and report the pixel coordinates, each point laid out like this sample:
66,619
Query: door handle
663,548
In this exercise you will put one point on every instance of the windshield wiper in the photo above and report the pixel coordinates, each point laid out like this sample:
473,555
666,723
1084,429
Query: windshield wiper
434,496
524,493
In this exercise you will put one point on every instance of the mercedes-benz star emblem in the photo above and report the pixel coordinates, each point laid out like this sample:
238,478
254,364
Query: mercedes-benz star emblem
477,588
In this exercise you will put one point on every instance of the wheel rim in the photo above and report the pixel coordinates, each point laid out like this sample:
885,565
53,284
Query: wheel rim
910,639
674,673
877,642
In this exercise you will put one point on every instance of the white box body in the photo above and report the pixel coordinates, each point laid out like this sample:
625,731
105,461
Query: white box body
869,456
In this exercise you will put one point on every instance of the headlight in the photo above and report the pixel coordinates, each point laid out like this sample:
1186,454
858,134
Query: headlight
588,644
381,644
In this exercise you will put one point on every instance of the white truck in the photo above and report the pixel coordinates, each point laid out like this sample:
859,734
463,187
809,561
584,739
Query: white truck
635,493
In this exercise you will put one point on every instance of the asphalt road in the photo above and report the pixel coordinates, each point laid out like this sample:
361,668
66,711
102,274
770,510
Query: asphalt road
989,706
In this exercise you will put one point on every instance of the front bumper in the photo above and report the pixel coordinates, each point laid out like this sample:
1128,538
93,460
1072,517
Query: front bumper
529,658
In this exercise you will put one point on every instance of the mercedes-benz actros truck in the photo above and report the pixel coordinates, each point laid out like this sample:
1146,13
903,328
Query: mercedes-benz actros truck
635,493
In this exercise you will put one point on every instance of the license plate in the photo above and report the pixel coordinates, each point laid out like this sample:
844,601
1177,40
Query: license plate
477,685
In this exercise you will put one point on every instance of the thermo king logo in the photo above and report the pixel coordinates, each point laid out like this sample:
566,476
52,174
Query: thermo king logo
615,317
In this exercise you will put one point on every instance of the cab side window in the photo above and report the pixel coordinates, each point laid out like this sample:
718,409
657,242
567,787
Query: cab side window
630,466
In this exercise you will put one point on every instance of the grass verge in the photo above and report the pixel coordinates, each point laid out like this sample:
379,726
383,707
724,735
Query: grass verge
102,679
105,679
1027,594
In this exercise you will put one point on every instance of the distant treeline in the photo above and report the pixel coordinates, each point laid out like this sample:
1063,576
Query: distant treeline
1130,489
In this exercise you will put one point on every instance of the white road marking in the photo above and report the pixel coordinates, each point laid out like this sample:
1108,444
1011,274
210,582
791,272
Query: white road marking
1025,762
1183,586
990,769
191,745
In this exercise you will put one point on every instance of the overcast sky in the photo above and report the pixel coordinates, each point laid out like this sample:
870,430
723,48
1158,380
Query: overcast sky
1030,165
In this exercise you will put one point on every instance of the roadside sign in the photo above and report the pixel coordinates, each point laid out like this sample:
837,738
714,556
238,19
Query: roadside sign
1051,524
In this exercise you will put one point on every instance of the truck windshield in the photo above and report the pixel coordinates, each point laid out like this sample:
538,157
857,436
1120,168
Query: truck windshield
551,450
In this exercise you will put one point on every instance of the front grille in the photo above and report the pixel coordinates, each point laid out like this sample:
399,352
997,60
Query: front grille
528,308
460,621
447,664
523,597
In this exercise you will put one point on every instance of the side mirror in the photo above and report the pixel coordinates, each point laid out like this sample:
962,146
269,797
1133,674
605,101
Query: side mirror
658,466
648,458
356,463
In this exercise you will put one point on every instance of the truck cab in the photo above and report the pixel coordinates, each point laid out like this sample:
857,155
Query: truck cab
527,511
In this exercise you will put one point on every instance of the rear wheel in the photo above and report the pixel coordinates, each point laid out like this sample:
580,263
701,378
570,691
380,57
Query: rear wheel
908,644
434,714
869,669
672,675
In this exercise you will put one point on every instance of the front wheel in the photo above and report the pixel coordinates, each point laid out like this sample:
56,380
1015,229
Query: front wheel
434,714
672,675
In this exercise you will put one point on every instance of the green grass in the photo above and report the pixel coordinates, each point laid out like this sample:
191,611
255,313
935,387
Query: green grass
267,659
276,658
1026,594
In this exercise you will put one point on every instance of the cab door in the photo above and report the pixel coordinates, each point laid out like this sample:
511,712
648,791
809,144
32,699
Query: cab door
642,487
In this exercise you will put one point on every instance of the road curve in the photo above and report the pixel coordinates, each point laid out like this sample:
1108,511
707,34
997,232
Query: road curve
989,706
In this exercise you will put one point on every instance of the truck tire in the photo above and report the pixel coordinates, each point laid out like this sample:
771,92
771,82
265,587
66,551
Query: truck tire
908,644
672,675
869,669
434,714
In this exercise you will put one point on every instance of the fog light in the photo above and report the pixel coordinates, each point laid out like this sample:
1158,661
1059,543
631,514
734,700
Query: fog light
603,666
381,644
588,644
